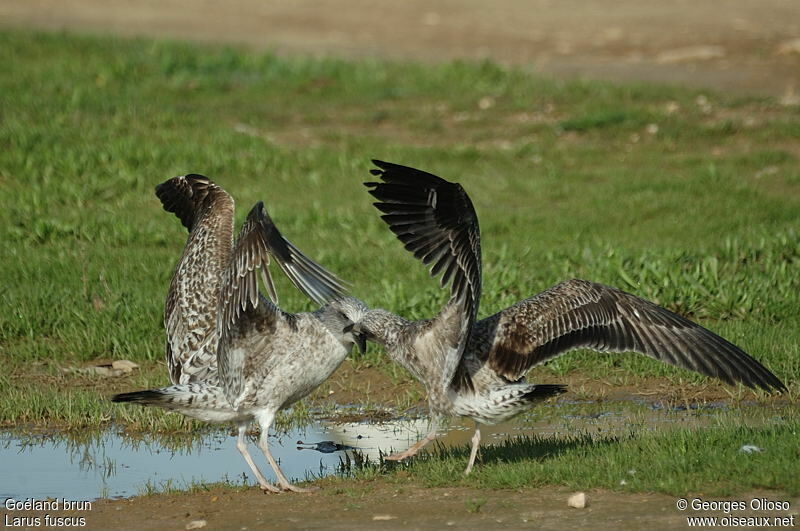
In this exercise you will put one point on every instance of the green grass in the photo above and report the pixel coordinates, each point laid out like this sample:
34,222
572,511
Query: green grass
567,178
672,451
677,462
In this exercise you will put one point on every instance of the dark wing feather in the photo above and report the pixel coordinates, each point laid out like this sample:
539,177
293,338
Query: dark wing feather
188,196
240,300
581,314
190,312
312,279
436,221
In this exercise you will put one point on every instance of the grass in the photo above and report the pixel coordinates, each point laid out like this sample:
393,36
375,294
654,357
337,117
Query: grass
672,451
691,202
672,463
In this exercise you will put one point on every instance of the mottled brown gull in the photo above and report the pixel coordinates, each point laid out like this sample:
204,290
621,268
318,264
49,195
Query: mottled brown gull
233,355
476,369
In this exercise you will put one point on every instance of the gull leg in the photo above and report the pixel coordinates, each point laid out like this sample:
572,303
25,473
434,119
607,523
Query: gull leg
476,441
265,422
411,452
241,445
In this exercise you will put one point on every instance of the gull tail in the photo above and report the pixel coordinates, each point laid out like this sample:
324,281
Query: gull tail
542,391
197,400
503,402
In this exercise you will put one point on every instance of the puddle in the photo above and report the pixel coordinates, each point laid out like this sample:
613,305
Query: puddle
111,465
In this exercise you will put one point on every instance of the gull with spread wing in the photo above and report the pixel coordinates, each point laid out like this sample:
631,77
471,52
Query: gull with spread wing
476,369
232,354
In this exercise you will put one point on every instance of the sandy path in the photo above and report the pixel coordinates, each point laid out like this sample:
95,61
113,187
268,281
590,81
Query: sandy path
742,45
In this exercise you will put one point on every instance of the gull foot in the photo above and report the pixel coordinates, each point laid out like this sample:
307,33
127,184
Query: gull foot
267,488
293,488
400,456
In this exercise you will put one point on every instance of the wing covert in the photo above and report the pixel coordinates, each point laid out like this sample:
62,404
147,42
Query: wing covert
190,312
582,314
240,301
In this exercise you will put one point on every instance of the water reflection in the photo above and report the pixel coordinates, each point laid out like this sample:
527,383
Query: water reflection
108,464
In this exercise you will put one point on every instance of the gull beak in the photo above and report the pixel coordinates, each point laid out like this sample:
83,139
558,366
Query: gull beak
358,338
361,342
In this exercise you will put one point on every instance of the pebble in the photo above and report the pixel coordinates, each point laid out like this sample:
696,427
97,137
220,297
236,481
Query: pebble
579,500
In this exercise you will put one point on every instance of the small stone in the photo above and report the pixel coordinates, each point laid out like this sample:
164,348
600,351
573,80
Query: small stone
196,524
579,500
651,129
383,517
124,365
690,54
486,102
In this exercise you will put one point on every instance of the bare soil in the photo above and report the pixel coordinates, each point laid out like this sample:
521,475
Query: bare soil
399,505
742,46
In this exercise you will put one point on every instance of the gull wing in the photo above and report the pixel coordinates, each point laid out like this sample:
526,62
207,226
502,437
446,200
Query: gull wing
245,317
436,221
190,313
582,314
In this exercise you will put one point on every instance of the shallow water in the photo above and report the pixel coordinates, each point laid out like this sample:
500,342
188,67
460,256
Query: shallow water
108,464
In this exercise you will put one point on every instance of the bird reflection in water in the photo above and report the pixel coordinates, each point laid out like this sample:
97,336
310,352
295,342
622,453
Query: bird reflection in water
325,447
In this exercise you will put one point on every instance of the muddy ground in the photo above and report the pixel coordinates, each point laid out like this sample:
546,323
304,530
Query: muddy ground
744,46
401,505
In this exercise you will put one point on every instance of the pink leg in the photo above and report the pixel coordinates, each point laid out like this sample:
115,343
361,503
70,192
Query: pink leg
241,445
263,443
476,441
411,452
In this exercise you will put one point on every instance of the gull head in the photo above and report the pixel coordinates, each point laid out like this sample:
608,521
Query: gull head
340,317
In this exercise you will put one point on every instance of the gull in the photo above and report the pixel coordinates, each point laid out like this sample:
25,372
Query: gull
232,354
475,368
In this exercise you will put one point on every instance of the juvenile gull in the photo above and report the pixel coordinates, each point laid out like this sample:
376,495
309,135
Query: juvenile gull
476,369
233,355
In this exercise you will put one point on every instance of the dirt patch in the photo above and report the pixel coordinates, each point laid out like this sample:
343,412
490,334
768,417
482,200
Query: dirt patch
748,46
398,505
